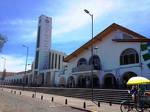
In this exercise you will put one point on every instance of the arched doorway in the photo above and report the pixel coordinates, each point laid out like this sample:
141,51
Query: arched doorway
26,80
109,81
17,81
20,81
48,79
62,82
82,81
126,77
85,81
95,81
41,78
71,82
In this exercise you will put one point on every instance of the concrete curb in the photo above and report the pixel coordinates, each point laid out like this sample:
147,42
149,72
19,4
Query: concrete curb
82,109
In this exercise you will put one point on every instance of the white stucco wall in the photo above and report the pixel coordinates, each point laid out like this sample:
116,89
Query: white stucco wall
109,52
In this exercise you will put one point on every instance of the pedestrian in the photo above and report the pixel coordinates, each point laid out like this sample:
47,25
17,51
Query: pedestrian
134,92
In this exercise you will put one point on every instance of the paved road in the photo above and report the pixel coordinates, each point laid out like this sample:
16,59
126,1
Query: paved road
14,103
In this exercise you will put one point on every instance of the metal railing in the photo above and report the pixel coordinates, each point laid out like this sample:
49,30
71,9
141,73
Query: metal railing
82,68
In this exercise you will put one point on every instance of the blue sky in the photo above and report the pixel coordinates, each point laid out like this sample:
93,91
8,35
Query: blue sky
71,25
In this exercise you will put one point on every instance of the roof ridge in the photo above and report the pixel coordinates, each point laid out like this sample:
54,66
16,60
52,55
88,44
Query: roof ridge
99,36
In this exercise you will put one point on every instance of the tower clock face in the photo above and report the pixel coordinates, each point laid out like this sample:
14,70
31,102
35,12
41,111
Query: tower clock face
47,21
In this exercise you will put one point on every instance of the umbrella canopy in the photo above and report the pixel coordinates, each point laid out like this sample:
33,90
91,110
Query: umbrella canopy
138,80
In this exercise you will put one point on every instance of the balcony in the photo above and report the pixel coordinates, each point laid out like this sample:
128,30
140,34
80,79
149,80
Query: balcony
83,68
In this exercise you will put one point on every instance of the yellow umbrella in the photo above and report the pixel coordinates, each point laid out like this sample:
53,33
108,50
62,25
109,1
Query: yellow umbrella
138,80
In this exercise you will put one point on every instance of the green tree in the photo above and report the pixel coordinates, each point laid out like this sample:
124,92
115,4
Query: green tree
3,40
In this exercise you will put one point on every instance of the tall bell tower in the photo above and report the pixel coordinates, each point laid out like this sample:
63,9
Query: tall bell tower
43,44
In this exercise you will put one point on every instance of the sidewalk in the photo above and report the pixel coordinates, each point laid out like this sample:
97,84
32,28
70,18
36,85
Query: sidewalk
73,102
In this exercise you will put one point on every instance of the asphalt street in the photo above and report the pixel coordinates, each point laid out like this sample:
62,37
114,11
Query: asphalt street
15,103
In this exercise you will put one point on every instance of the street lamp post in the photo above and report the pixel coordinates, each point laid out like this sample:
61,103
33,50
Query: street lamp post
86,11
26,61
4,62
35,85
29,75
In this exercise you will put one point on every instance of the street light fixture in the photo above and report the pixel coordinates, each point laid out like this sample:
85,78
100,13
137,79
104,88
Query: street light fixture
96,48
86,11
26,61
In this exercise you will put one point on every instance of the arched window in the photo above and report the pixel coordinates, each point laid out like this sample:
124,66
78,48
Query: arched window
129,56
82,61
95,60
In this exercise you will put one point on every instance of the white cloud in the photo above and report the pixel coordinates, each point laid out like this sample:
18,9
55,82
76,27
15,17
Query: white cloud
25,29
75,17
70,18
18,22
14,63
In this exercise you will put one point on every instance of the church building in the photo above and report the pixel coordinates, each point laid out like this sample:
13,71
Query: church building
108,60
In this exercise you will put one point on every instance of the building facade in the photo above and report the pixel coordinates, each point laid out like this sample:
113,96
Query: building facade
47,61
16,79
117,55
46,76
106,61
